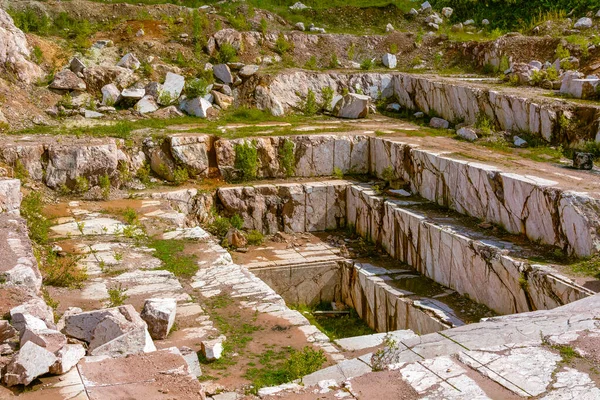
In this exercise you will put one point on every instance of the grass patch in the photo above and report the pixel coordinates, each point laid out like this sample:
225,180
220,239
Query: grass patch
587,267
336,327
32,210
170,252
62,271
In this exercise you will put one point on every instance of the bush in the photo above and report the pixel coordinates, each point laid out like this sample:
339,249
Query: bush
333,62
227,53
246,160
255,238
366,64
327,96
104,184
236,222
287,159
82,185
311,63
561,52
180,175
310,106
220,226
117,296
37,223
282,46
62,271
196,88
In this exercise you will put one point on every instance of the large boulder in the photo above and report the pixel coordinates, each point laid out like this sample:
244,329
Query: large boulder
67,358
129,61
439,123
146,105
352,106
100,76
389,60
223,73
222,100
14,51
198,107
31,361
248,70
159,314
171,89
68,80
110,94
586,88
115,332
192,152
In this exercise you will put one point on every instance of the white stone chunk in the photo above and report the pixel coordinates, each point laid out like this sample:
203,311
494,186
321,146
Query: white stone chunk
31,361
68,357
159,314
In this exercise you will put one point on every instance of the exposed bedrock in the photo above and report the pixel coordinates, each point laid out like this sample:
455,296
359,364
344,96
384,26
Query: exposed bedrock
534,207
520,204
453,100
480,270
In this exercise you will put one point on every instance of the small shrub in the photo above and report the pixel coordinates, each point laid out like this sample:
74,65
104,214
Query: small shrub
117,296
310,106
504,64
484,124
302,363
338,173
561,52
146,69
386,355
287,159
263,26
20,172
82,185
227,53
180,175
311,63
246,160
255,238
552,74
63,271
130,216
32,210
333,61
165,98
388,175
196,88
236,221
144,174
104,184
282,46
327,96
66,101
220,226
513,80
366,64
36,55
351,52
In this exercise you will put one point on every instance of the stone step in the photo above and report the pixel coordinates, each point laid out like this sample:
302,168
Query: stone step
446,253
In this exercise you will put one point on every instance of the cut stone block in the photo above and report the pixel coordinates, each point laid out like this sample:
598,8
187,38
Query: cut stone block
159,314
68,357
49,339
191,358
213,349
31,361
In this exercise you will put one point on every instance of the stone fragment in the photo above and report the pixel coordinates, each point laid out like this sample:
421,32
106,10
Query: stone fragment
447,12
300,26
19,316
419,114
192,151
153,89
426,6
159,314
171,89
113,331
467,134
30,362
90,114
167,112
393,107
439,123
583,160
222,100
469,22
68,357
485,22
76,65
298,6
457,27
413,12
6,331
67,80
213,349
223,73
15,51
60,325
198,107
235,238
583,23
519,142
389,28
248,70
50,339
352,106
146,105
191,358
132,94
389,60
110,94
129,61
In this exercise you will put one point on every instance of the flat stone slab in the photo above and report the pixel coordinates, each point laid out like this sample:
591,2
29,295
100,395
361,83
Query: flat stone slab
162,374
368,341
